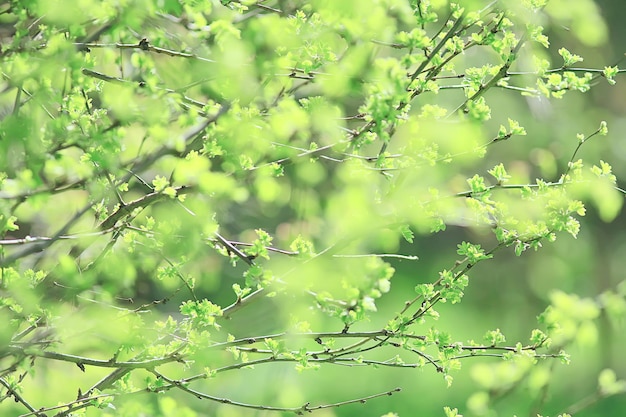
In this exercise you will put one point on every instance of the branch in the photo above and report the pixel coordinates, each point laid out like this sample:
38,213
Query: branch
117,80
81,361
298,410
296,253
232,249
84,402
143,45
313,336
563,69
34,239
380,255
503,72
41,246
18,398
307,152
191,138
260,5
580,144
142,203
241,303
58,189
457,24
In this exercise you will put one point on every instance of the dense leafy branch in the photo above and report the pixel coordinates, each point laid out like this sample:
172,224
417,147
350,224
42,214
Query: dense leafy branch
199,146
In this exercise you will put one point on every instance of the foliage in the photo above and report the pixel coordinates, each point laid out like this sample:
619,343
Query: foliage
195,188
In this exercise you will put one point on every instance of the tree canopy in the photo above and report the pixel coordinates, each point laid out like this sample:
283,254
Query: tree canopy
275,207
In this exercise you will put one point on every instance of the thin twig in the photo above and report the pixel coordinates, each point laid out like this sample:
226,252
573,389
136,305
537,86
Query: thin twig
85,361
42,245
142,203
233,249
143,45
298,410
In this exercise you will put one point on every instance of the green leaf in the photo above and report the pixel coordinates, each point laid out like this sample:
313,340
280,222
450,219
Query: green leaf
499,173
609,73
494,337
407,233
451,412
477,184
569,58
202,313
160,183
426,291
